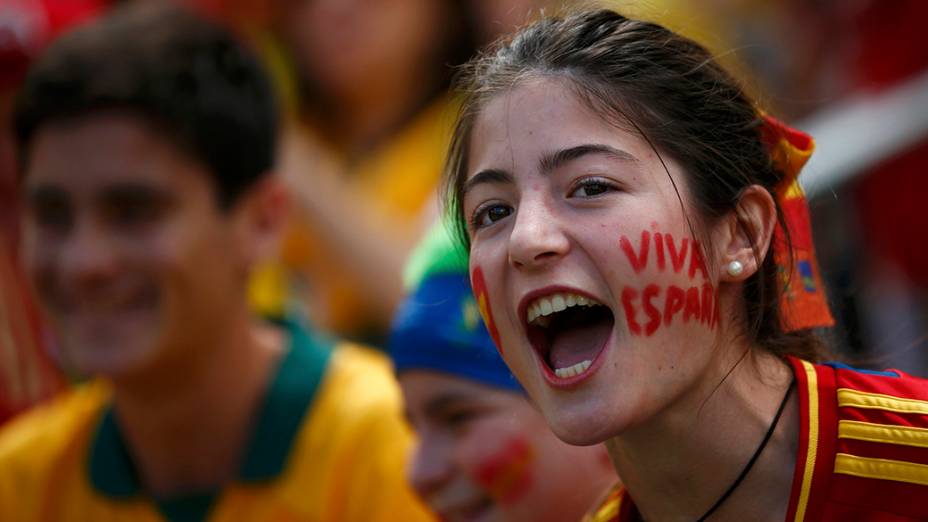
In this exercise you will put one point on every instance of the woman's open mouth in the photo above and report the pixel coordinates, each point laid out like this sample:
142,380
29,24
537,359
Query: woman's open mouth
569,332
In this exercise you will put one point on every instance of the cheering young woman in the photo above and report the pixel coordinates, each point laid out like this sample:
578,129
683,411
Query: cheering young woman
641,254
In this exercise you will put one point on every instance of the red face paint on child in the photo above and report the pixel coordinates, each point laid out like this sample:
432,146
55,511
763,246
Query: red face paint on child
506,475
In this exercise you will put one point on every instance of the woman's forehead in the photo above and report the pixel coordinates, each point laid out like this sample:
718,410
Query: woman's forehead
537,118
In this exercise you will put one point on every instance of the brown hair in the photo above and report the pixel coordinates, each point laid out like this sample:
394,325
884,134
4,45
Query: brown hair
187,76
670,91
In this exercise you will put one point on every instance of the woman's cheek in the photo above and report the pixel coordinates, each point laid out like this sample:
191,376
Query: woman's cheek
674,287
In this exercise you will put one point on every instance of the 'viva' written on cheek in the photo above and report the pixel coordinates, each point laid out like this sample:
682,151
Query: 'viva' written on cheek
652,306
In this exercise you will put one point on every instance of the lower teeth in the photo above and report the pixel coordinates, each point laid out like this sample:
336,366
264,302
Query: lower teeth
571,371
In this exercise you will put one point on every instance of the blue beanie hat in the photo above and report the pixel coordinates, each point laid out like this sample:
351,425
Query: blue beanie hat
438,326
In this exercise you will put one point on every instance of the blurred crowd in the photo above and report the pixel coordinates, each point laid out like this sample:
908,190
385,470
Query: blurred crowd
364,91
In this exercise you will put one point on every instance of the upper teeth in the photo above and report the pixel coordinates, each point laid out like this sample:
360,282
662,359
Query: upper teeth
544,306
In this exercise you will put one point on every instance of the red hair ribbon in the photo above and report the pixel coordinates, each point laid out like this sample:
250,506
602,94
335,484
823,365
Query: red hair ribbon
803,303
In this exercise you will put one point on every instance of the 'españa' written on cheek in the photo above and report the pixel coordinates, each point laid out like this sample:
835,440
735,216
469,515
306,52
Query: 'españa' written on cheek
662,304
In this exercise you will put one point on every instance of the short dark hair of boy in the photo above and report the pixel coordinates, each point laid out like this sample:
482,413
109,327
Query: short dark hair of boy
190,78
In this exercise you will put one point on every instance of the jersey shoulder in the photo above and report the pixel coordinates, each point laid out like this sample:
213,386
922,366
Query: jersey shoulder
881,447
360,378
47,429
46,445
870,395
353,444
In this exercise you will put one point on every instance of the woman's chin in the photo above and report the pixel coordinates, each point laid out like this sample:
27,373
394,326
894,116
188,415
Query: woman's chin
582,430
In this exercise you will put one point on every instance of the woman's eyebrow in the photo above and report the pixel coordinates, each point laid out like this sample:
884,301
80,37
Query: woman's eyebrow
487,176
552,160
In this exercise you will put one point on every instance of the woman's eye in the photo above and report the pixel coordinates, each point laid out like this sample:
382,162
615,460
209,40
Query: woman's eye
591,187
490,214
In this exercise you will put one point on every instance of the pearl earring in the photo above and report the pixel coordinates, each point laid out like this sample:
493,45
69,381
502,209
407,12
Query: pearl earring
735,268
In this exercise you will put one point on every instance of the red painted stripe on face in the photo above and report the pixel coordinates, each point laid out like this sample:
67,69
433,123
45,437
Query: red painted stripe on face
479,286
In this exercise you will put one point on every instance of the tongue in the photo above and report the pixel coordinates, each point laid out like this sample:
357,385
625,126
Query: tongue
580,343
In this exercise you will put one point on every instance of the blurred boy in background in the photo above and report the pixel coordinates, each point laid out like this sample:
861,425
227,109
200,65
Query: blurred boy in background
146,141
483,452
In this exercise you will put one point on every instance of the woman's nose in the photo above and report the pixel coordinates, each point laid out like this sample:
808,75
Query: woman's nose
537,236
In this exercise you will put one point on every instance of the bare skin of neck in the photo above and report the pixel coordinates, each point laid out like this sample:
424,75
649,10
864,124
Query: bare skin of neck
187,422
679,463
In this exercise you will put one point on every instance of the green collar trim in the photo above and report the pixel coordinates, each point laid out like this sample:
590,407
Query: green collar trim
188,508
286,404
111,469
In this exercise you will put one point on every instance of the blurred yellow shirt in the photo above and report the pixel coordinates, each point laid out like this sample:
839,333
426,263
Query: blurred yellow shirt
330,445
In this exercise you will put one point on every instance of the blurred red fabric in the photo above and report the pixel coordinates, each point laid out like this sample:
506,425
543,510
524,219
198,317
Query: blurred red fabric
27,374
891,196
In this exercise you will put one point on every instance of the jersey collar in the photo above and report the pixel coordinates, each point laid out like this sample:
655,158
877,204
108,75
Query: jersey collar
284,408
816,454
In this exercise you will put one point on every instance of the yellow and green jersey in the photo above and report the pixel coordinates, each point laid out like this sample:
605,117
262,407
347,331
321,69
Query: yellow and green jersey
329,445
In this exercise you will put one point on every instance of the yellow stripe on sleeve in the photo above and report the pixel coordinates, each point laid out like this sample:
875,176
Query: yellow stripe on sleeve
886,433
877,401
881,469
811,452
607,512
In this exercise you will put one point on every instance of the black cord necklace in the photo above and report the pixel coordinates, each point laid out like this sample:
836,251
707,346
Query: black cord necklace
757,452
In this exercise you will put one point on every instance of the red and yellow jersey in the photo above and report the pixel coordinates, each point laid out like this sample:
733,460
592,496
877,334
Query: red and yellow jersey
863,448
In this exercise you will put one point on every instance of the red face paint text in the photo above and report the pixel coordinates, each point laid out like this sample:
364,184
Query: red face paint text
648,308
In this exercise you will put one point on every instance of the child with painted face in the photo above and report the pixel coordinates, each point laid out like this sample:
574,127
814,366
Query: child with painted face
642,249
483,451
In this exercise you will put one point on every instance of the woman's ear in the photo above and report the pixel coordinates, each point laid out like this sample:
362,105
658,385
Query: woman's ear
746,234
